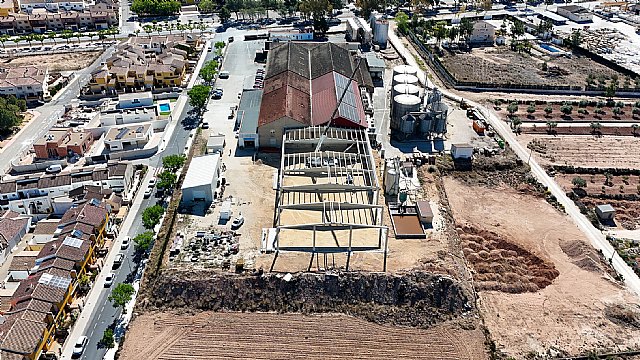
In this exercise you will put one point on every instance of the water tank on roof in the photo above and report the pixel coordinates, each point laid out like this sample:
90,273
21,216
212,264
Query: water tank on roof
405,103
404,69
405,79
409,89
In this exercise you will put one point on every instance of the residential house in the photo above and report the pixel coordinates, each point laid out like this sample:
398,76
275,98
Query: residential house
7,7
27,82
575,13
28,6
63,142
13,227
482,33
128,137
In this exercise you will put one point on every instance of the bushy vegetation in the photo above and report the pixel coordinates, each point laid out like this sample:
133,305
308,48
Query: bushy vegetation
155,7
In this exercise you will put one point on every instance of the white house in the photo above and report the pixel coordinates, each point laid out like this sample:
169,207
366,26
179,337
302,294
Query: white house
135,100
461,151
28,82
51,5
215,143
128,116
483,33
575,13
201,179
128,137
290,36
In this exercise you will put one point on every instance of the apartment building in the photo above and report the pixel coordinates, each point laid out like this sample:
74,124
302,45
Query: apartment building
145,63
28,6
100,16
49,194
27,82
7,7
39,304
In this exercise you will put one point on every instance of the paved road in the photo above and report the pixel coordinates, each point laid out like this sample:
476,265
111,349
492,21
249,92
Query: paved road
104,314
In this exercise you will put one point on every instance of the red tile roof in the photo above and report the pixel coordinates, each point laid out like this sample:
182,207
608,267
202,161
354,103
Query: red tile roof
285,102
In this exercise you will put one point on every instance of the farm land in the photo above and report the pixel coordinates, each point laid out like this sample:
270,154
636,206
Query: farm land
607,113
509,68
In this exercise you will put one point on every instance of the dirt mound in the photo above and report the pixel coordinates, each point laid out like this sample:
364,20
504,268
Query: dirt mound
416,299
501,265
624,314
582,255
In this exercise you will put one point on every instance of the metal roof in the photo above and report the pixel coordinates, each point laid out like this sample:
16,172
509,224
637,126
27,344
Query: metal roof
249,110
202,171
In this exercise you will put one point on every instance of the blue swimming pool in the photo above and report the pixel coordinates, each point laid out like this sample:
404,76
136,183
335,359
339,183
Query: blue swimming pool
549,48
165,107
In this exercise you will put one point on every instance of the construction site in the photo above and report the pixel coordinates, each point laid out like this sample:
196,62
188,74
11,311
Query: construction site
429,239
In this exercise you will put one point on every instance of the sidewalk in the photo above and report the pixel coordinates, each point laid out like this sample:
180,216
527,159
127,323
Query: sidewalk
82,323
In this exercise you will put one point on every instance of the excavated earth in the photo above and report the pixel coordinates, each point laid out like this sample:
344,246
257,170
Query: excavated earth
417,299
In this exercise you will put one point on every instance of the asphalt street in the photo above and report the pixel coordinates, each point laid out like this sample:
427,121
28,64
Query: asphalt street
104,314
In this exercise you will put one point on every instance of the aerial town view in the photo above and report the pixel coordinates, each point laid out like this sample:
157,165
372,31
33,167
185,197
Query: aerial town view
319,179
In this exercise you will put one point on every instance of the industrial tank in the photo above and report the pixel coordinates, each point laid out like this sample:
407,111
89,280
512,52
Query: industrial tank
381,32
404,69
407,125
405,79
391,179
426,124
403,104
409,89
439,112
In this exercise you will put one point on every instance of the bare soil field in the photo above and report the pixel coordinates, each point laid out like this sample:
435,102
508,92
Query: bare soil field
607,129
585,151
596,183
506,67
56,62
210,335
572,314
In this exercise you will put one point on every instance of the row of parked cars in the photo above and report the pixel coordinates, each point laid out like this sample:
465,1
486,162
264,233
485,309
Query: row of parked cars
259,82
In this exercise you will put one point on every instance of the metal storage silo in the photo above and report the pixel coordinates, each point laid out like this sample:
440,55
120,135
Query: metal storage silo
381,32
403,104
439,112
426,124
404,69
405,79
409,89
407,125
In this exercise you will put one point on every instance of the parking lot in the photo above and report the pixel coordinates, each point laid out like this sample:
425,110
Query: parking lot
207,241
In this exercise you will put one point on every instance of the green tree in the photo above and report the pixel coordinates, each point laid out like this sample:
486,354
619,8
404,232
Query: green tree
466,29
402,20
209,71
151,216
512,108
617,111
219,45
595,127
155,7
143,241
198,96
515,124
551,126
368,6
566,109
9,118
4,38
576,38
108,340
531,108
517,30
610,90
167,180
318,9
548,110
224,14
579,182
121,295
634,129
208,6
174,162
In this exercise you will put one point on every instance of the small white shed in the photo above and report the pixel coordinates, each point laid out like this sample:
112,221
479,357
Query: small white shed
605,212
462,151
201,179
216,143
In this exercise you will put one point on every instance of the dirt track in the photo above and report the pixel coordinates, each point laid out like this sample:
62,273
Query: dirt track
569,316
210,335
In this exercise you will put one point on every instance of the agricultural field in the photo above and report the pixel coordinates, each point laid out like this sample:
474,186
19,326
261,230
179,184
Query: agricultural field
584,151
542,286
511,69
207,335
576,111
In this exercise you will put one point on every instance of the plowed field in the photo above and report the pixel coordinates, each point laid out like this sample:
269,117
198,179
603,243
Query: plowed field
210,335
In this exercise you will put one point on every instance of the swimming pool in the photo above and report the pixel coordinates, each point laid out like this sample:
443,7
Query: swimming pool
549,48
165,107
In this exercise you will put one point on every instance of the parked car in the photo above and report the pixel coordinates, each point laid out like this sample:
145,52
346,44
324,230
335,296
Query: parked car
79,347
237,222
148,192
125,243
205,125
224,75
52,169
152,182
109,279
118,260
230,39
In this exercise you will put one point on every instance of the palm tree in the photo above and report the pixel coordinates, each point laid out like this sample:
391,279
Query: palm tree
52,36
39,37
66,34
3,39
78,35
137,32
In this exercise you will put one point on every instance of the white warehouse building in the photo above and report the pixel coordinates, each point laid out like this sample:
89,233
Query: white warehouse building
202,179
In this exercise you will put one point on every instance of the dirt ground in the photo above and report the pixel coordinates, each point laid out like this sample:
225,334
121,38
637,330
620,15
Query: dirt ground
556,115
570,314
586,151
56,62
210,335
507,67
596,183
